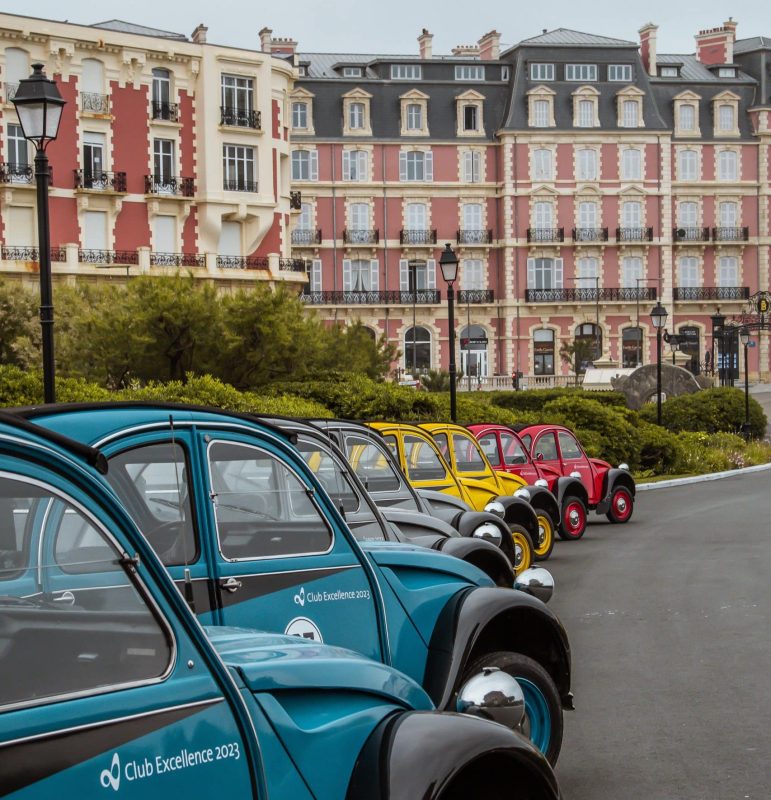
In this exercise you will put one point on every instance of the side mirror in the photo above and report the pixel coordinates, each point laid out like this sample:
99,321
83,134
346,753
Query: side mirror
539,456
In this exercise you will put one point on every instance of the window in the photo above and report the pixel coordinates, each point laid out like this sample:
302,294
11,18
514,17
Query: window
406,72
356,116
728,215
95,230
414,117
631,214
688,271
315,276
687,117
416,165
688,165
586,163
329,473
352,72
472,274
417,351
356,113
472,166
726,72
94,176
589,333
728,271
417,275
468,457
470,117
669,72
542,72
631,114
588,272
372,466
302,70
727,166
359,221
543,360
585,116
631,164
580,72
631,347
299,116
305,165
472,216
543,165
620,72
165,233
360,275
164,166
631,270
55,648
541,113
543,215
504,73
416,217
726,117
161,94
239,168
569,448
587,214
423,462
237,101
544,273
261,508
469,72
305,217
18,148
688,214
355,165
545,449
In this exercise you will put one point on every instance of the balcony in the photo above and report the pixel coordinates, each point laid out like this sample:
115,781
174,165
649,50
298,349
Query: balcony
16,173
108,257
240,118
169,185
302,237
730,234
422,297
473,236
690,234
242,262
10,91
578,295
11,253
634,234
475,296
94,103
168,112
417,236
238,185
590,234
711,293
362,236
100,181
292,265
545,234
177,260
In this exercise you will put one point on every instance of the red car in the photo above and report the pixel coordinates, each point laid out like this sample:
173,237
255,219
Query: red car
552,453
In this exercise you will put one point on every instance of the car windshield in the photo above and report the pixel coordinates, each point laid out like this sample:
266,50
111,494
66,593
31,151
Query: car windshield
468,458
423,462
329,474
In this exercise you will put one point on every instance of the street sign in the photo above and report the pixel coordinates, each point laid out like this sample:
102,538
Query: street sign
751,343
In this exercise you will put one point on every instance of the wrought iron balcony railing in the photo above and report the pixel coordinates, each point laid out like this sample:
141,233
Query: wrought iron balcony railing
546,234
730,234
590,234
364,236
239,186
711,292
95,103
690,234
292,265
169,184
16,173
177,260
165,111
119,257
372,298
417,236
100,181
474,236
475,296
578,295
240,117
12,253
634,234
242,262
10,91
301,236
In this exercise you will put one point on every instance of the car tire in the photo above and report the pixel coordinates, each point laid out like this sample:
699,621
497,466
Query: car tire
524,550
573,522
621,506
543,708
546,529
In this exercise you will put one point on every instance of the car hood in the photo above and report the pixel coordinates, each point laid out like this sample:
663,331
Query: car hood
269,662
598,463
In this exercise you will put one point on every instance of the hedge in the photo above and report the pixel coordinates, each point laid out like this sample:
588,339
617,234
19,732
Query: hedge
536,399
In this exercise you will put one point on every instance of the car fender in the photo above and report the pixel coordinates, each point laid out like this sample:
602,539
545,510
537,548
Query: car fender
614,477
419,754
571,487
482,620
542,498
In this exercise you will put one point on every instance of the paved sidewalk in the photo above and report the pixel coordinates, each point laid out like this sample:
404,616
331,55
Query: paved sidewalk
762,393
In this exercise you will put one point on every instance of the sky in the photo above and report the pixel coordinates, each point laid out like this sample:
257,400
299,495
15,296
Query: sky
394,25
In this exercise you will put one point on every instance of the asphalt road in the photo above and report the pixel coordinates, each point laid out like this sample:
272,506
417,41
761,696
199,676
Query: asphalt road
669,619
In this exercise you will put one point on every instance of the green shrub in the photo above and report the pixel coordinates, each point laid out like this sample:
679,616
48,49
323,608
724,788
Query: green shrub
659,449
695,457
20,387
536,399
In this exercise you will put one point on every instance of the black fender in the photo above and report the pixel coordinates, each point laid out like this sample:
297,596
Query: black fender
428,755
517,511
416,523
571,487
442,505
614,477
484,555
542,499
481,620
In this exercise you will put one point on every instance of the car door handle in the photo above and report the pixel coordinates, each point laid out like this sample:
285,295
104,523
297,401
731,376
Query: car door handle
65,599
230,585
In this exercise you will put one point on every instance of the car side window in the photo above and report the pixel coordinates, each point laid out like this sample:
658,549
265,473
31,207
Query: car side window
527,440
261,506
50,649
513,451
329,474
15,535
489,445
467,455
371,463
546,448
441,441
569,446
423,462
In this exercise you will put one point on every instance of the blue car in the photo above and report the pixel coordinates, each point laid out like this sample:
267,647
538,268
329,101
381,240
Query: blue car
252,539
110,687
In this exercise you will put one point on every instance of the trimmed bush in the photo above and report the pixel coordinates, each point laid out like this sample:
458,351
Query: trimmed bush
19,387
659,449
536,399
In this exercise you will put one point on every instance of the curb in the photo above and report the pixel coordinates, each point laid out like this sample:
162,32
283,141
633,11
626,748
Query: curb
712,476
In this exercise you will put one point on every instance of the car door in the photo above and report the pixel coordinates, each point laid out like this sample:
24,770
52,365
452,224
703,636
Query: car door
280,562
516,458
544,450
574,461
107,701
424,465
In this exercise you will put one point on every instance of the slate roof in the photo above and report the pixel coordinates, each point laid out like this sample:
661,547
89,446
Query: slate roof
324,65
753,43
693,70
140,30
565,37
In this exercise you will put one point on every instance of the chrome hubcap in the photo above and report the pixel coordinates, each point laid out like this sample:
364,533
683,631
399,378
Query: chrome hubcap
574,517
621,504
541,535
518,554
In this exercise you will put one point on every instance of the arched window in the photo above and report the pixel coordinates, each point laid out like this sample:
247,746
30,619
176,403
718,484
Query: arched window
473,351
631,347
543,169
417,350
543,352
727,165
591,335
688,165
687,120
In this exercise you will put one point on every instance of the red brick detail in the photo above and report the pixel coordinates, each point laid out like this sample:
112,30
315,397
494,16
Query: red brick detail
129,141
190,233
188,158
63,213
276,119
271,242
275,175
132,228
63,153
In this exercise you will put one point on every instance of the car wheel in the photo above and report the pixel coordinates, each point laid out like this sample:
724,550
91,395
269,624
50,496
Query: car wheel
621,505
545,544
543,709
573,523
523,549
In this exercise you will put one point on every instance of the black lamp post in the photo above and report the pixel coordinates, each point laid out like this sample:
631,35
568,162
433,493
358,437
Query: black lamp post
718,358
744,338
659,319
448,262
39,106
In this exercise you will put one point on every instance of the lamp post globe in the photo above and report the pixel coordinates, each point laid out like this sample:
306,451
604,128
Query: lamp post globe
448,263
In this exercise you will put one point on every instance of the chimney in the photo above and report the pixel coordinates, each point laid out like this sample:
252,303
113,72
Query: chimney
199,34
490,46
265,39
283,47
466,50
426,40
648,47
716,45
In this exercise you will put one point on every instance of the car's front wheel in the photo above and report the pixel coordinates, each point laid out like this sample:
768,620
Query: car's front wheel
545,544
621,505
573,522
524,549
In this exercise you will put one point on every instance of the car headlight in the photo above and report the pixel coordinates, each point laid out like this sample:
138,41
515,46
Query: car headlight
489,532
523,494
624,466
493,694
543,483
496,507
575,474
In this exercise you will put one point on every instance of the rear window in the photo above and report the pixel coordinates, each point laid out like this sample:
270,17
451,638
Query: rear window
372,464
467,455
423,462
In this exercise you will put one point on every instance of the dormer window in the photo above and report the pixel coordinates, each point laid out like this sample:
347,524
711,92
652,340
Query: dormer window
687,114
540,107
469,107
585,107
669,72
725,112
630,107
620,72
470,72
726,72
352,72
356,113
581,72
542,72
302,71
302,111
406,72
414,117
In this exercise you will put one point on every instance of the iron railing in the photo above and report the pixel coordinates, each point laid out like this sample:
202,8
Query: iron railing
169,184
177,260
239,186
165,111
711,292
730,234
16,173
95,103
365,236
546,234
120,257
372,298
243,262
302,236
240,117
292,264
10,91
473,236
417,236
690,234
634,234
578,295
13,253
590,234
100,181
472,296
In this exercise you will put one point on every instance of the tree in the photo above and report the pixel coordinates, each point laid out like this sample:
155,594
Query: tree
19,325
576,354
355,348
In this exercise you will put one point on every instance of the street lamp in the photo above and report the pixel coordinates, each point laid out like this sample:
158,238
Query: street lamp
658,319
448,262
718,324
39,107
413,276
744,338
